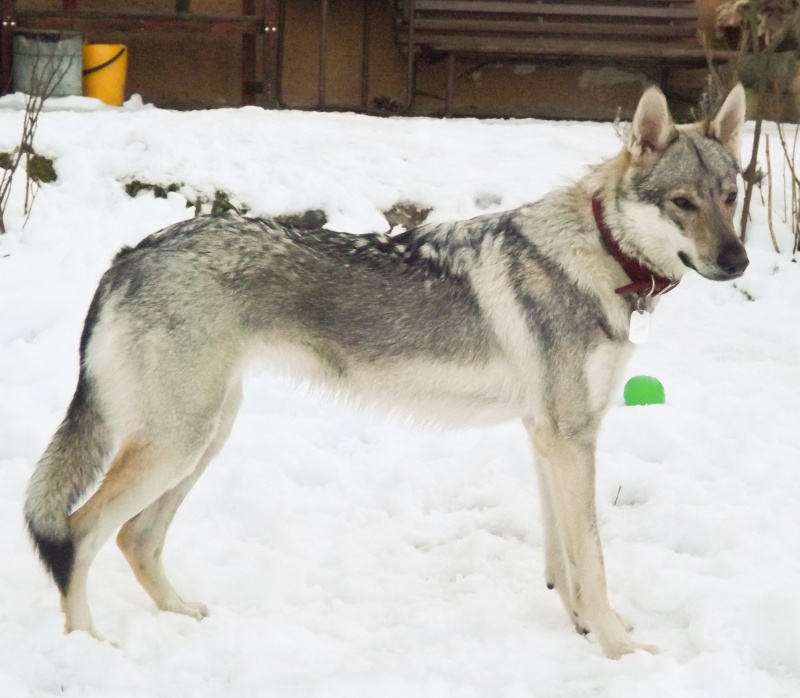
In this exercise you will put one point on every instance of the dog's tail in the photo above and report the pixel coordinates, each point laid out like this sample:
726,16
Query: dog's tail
71,464
69,467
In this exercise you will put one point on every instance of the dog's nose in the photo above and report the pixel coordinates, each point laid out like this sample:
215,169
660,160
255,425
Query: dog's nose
732,259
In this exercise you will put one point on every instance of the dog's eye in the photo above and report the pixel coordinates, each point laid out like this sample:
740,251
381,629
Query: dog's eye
731,198
684,204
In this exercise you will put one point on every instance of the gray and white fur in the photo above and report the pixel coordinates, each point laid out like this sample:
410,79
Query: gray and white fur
505,316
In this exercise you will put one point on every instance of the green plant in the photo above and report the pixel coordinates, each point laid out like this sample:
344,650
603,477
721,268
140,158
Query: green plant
135,186
216,206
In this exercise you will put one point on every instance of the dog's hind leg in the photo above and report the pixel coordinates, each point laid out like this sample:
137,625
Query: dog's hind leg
142,538
145,467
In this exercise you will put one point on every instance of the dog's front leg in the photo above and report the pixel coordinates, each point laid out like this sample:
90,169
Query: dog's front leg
574,557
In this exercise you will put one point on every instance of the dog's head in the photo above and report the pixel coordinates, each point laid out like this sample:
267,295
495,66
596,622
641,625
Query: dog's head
680,187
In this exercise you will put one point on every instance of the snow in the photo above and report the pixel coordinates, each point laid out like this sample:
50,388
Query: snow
345,555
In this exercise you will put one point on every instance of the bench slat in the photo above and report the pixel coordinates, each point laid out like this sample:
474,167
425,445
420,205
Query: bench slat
509,46
472,26
454,7
461,4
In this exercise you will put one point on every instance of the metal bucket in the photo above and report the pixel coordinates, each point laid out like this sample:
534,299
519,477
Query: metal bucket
48,63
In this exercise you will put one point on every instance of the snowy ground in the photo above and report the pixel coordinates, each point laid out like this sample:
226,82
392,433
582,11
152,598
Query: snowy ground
346,556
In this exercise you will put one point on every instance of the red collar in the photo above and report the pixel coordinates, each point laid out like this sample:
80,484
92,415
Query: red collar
643,282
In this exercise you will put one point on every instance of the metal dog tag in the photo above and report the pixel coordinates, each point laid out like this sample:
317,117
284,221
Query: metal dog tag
639,331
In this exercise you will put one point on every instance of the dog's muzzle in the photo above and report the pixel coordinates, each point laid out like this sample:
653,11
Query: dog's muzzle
732,259
730,263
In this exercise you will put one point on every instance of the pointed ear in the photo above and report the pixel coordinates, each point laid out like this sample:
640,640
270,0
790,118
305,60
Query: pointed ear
727,124
652,128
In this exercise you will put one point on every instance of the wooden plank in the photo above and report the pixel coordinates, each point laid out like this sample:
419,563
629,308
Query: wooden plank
7,28
520,47
323,51
518,3
561,9
270,52
85,21
249,85
472,7
511,7
511,27
365,42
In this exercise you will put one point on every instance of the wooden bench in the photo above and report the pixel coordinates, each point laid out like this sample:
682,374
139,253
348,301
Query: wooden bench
655,31
256,24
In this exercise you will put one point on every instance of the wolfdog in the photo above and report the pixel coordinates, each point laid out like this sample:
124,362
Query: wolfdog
523,314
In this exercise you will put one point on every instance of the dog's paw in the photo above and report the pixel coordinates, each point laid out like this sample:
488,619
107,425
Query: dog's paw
651,649
195,610
620,649
613,637
88,630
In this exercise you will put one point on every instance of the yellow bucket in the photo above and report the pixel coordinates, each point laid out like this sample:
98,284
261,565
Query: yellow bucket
104,69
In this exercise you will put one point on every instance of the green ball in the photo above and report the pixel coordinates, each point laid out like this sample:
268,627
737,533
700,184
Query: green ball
644,390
